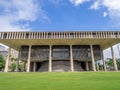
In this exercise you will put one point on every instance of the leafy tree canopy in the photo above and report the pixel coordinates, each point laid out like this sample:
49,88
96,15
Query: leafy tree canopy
111,64
2,62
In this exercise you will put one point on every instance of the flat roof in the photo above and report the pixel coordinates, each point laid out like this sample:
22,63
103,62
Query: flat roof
103,38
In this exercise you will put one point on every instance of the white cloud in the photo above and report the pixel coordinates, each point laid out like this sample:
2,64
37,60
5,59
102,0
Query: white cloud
105,14
95,5
78,2
112,6
6,24
15,11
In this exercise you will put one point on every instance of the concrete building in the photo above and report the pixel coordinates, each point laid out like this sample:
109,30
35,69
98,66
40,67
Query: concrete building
60,51
12,54
3,51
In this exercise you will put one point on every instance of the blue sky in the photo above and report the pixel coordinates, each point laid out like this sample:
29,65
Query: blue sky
59,15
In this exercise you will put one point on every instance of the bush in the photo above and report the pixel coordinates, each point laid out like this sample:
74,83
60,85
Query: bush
21,67
2,62
12,67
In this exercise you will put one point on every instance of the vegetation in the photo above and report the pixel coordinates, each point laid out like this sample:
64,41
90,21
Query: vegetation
2,62
21,66
13,61
100,67
118,63
60,81
13,66
110,63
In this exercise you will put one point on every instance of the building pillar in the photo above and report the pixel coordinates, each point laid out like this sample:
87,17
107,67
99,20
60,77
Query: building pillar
7,60
34,67
28,61
50,59
87,67
104,65
114,61
92,57
71,59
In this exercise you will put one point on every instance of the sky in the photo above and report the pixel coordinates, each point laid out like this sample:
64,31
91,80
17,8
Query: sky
60,15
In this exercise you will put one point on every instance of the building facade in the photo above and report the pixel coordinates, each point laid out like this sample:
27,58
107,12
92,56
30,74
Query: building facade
4,52
60,51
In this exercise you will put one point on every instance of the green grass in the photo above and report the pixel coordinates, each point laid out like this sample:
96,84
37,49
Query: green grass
60,81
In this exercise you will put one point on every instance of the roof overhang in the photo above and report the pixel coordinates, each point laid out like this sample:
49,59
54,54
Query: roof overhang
17,43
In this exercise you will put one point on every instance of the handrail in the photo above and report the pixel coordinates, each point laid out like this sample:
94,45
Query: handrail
59,35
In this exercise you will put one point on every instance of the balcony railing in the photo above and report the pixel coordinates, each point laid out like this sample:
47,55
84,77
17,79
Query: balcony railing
58,35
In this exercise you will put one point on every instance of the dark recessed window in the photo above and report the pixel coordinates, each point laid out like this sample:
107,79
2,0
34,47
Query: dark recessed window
5,35
71,35
27,35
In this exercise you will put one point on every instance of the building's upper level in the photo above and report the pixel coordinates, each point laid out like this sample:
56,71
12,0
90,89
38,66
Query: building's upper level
103,38
60,35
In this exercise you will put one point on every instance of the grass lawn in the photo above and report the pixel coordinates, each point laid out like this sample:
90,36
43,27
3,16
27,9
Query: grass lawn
60,81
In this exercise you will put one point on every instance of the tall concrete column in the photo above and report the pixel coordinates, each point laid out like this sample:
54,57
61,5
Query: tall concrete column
50,59
7,60
92,57
28,61
104,65
34,67
17,63
87,67
114,61
71,59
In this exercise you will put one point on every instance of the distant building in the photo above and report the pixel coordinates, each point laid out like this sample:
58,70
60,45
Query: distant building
3,51
14,53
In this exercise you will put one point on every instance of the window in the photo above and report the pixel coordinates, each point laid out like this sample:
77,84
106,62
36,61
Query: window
5,36
61,52
27,35
71,35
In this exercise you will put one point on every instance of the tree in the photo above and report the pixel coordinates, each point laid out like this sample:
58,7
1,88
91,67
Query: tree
21,67
13,63
2,62
12,66
118,63
111,64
